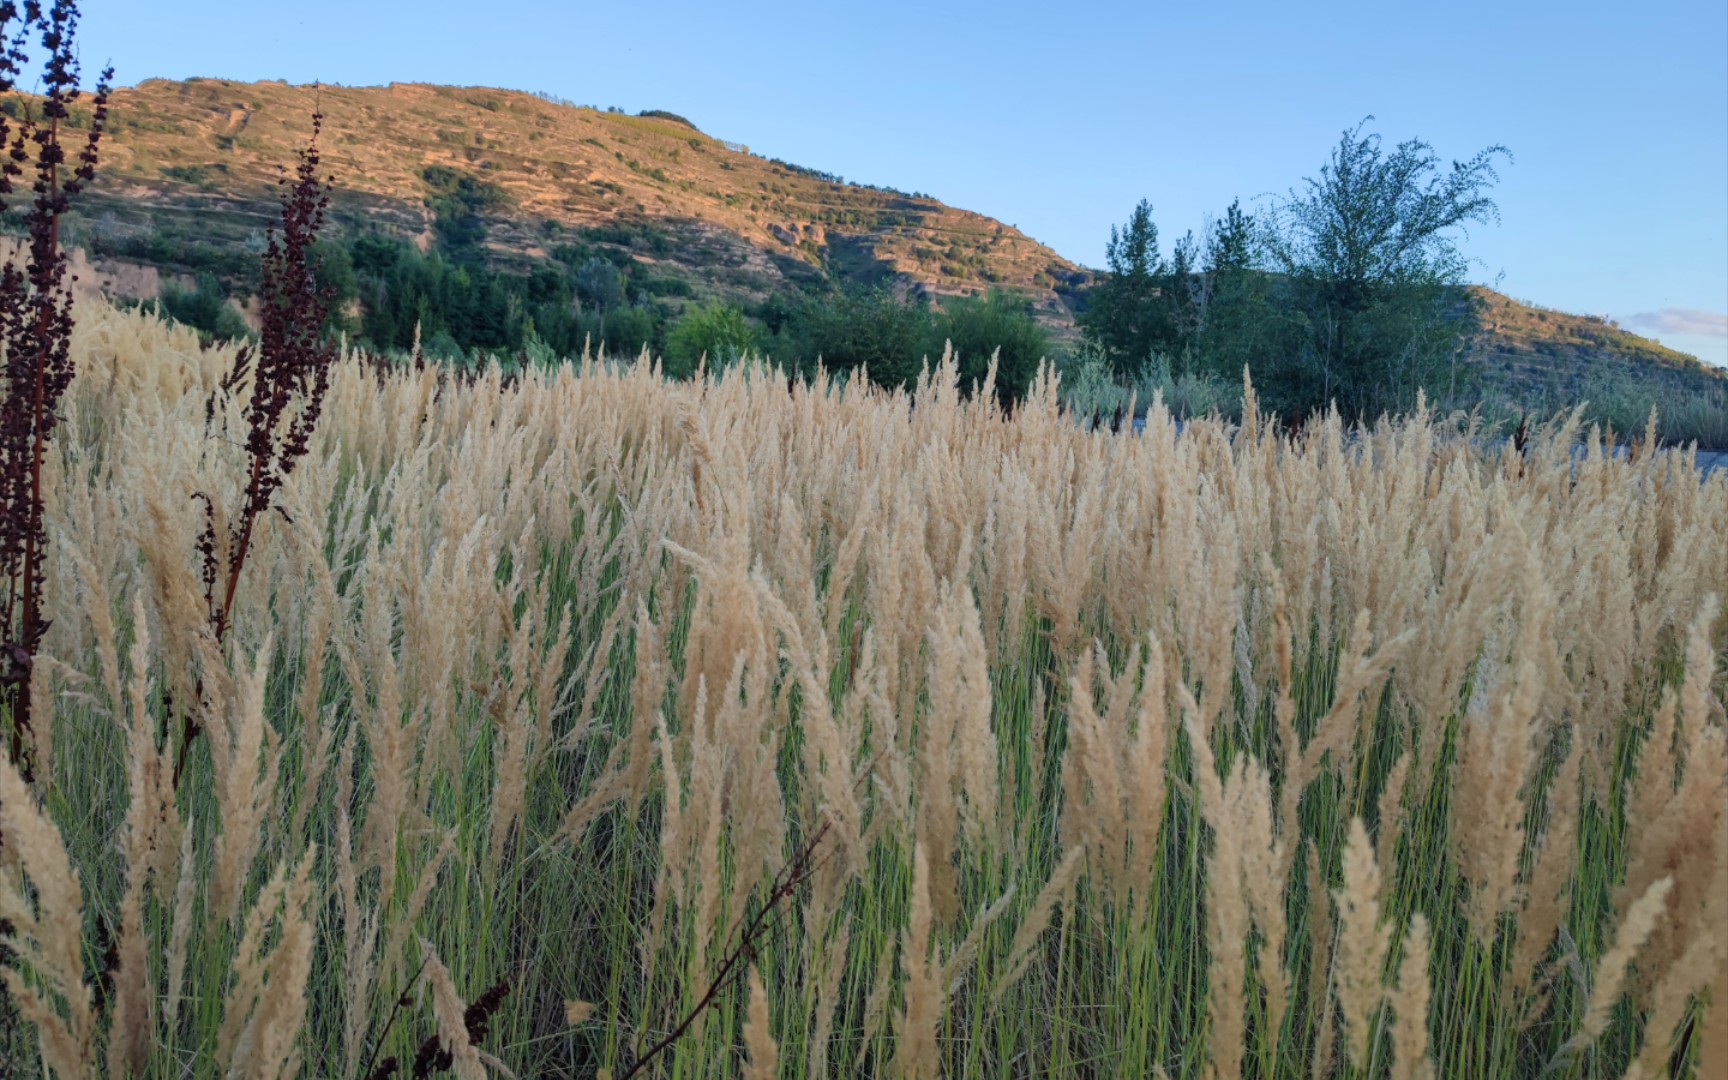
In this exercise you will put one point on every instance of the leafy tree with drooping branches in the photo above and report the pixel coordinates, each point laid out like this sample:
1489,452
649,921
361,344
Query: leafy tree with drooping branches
1371,273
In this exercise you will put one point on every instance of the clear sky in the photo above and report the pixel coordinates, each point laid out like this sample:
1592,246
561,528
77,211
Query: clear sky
1057,118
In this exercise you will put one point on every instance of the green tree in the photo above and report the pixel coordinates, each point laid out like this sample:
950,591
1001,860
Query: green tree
851,329
624,331
1123,318
1001,324
718,332
1236,320
599,284
204,308
1230,242
1179,299
1372,274
334,267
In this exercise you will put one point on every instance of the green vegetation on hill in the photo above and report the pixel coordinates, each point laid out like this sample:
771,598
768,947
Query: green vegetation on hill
593,292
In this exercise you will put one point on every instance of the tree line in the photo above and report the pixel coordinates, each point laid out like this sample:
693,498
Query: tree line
390,296
1348,291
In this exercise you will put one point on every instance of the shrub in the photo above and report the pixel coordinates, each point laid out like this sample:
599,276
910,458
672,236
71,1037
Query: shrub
853,329
205,308
1093,393
716,332
999,325
662,114
185,174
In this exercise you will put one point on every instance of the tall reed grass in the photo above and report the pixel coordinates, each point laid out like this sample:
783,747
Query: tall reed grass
1204,755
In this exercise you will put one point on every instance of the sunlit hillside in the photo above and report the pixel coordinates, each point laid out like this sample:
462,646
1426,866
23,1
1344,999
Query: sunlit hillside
196,162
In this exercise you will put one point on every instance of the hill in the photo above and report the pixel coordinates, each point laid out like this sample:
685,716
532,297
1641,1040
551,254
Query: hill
1522,343
189,175
188,184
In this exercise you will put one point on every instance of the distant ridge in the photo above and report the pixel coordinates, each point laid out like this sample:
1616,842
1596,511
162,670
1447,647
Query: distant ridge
208,150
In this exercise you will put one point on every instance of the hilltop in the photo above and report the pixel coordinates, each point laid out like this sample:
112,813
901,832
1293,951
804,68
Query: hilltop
188,184
192,166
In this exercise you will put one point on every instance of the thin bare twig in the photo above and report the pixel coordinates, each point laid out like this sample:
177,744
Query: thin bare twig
786,882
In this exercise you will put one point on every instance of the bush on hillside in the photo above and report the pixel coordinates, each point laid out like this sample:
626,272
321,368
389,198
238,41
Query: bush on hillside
1001,325
717,333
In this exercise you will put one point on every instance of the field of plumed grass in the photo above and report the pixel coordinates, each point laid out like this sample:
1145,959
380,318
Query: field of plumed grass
821,731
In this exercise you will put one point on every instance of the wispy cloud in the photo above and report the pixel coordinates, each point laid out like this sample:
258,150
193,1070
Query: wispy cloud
1681,321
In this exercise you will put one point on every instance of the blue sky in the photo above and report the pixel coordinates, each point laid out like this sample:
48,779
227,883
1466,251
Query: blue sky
1057,118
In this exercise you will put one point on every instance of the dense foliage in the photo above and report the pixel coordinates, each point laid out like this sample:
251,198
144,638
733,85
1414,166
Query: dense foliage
850,330
715,333
592,293
1347,291
205,307
1374,273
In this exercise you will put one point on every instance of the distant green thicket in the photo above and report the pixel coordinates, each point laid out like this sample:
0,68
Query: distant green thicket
662,114
851,330
461,307
205,307
594,293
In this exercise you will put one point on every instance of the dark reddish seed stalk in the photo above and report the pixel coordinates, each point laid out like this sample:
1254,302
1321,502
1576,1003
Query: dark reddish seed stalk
389,1065
433,1056
292,365
293,359
36,331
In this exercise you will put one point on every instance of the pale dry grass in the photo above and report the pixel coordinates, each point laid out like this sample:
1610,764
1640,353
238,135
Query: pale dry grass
1203,754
